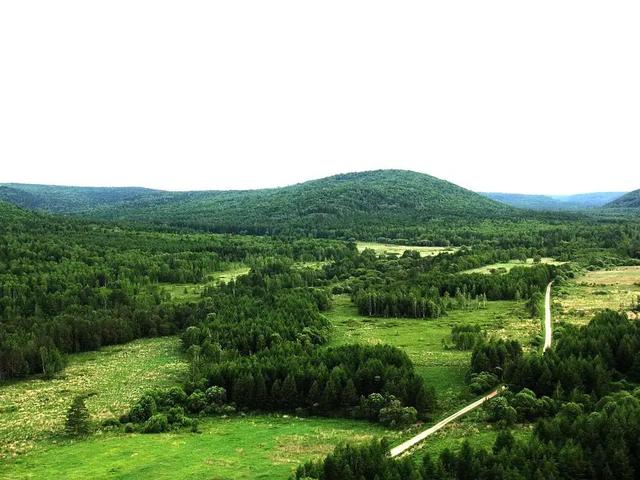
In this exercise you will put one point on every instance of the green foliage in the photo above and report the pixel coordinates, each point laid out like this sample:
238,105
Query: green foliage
156,424
78,420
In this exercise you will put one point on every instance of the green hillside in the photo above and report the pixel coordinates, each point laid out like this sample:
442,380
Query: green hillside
61,199
352,203
630,200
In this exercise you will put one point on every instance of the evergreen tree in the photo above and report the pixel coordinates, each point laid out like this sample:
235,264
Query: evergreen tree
78,420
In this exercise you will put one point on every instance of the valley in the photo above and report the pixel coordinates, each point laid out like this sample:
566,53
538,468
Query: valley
149,334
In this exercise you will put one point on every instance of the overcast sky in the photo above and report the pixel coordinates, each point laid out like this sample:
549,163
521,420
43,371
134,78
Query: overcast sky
532,97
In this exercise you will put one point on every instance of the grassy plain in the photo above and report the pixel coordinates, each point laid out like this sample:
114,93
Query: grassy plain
578,300
423,340
33,411
252,447
385,248
507,266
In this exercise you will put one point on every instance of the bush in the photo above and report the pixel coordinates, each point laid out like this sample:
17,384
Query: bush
499,410
143,409
176,416
370,407
397,416
129,428
483,382
173,397
156,424
196,402
216,395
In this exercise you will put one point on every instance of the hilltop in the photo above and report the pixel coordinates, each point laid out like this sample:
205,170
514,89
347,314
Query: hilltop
373,200
630,200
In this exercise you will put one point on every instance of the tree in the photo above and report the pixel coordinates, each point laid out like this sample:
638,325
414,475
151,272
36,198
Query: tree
78,420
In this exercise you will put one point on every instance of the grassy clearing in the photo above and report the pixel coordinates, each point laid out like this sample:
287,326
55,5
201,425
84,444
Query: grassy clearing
33,411
185,292
507,266
578,300
260,447
422,340
384,248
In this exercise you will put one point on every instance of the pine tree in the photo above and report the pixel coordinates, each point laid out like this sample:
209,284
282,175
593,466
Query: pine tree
78,419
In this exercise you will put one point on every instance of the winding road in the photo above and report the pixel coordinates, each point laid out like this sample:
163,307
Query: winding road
403,447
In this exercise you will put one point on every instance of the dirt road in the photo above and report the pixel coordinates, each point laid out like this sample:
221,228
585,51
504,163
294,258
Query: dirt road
400,449
547,319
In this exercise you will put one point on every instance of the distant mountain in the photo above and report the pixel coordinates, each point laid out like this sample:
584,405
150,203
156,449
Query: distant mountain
555,202
371,202
60,199
630,200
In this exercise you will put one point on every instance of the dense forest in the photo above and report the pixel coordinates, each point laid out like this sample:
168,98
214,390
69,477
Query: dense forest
68,286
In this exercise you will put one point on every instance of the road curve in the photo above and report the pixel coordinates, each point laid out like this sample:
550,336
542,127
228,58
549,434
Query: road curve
400,449
547,319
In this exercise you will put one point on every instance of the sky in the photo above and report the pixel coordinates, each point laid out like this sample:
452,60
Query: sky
529,97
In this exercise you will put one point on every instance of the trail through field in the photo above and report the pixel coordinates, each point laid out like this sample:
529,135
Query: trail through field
400,449
547,319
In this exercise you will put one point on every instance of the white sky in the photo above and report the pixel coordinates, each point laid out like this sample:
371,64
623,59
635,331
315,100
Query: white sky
515,96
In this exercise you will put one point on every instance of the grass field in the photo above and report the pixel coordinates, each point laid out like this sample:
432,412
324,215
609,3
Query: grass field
505,267
422,340
190,292
33,411
578,300
384,248
260,447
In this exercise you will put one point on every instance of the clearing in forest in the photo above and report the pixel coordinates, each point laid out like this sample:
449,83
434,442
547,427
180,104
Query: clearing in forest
386,248
617,289
505,267
423,340
34,410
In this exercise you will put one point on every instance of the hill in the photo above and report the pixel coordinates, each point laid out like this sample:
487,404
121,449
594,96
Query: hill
630,200
61,199
555,202
371,201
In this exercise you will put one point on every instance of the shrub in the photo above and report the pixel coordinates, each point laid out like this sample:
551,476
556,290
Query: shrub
500,411
397,416
175,396
483,382
143,409
156,424
196,402
216,395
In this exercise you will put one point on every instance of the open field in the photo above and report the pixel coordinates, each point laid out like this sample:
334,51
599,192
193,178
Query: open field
251,447
384,248
191,292
423,340
506,266
34,410
578,300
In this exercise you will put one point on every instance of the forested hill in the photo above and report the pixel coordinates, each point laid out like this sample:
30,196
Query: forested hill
359,204
630,200
61,199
